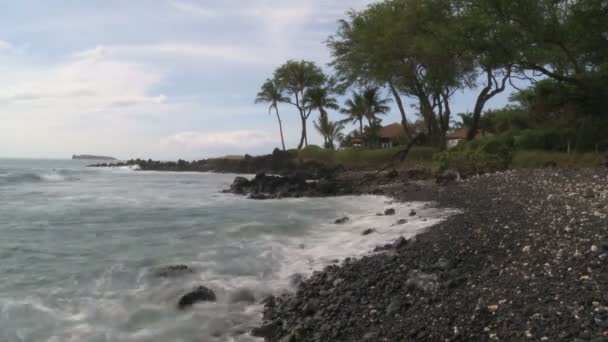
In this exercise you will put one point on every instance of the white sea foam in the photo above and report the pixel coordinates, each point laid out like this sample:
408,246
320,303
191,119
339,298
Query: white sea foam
88,273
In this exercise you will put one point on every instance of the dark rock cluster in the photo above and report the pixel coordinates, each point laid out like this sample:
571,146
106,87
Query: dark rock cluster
263,186
526,260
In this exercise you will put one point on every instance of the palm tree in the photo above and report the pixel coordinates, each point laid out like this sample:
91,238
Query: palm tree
375,105
330,130
272,93
319,98
297,77
355,110
466,121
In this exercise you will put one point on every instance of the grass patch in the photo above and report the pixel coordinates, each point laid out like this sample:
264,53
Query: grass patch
361,157
538,158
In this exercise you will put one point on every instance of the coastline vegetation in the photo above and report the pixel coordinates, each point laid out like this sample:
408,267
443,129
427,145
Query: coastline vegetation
552,54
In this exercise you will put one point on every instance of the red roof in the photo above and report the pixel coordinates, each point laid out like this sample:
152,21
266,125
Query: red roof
392,131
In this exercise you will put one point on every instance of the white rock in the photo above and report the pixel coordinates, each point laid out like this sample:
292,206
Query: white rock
526,249
594,248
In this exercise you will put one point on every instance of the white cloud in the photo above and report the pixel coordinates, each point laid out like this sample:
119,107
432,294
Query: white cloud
84,83
173,51
239,139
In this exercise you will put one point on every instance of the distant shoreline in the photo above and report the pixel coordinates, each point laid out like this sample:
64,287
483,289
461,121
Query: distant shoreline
91,157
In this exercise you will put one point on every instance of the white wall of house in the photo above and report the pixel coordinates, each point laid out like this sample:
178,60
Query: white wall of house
451,143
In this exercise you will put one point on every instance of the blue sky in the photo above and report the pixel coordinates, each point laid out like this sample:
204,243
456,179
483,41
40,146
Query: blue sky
161,79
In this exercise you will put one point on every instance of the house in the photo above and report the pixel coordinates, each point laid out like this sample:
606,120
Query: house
454,138
357,142
392,135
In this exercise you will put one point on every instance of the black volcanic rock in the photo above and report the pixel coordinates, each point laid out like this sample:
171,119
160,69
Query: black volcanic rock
200,294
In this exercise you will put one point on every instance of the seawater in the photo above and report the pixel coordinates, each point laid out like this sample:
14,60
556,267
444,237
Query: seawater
80,248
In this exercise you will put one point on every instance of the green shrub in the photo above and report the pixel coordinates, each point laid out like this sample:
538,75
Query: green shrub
544,139
478,156
355,157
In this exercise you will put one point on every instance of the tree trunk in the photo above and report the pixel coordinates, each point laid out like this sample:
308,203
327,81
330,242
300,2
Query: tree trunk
484,96
280,127
472,133
305,133
401,110
361,126
303,137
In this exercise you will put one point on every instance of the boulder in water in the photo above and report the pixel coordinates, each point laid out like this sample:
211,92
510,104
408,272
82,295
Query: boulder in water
342,220
368,231
239,185
200,294
390,212
174,271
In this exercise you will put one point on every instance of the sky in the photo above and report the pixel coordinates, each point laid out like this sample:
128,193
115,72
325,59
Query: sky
161,79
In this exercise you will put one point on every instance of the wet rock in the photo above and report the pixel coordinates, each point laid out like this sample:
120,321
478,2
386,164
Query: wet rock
239,185
296,279
368,231
588,193
393,174
342,220
441,264
260,197
400,243
327,186
174,271
390,212
269,330
412,213
395,306
200,294
401,222
448,177
422,281
370,336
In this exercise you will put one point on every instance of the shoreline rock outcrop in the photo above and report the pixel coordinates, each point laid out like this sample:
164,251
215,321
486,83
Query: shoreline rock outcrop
527,259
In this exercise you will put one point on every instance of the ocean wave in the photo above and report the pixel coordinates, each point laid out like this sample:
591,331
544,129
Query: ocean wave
33,177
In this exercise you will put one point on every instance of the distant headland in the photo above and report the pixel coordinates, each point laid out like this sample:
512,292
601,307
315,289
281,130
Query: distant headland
91,157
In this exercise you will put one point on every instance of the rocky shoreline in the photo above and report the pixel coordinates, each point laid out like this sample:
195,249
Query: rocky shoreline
279,162
527,260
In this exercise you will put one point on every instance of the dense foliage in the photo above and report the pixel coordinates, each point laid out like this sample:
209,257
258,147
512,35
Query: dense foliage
429,51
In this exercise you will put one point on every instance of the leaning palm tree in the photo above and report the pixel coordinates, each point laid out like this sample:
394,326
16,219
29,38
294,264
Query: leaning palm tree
319,98
355,110
375,104
272,93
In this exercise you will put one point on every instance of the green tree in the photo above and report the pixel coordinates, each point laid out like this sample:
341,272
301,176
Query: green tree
272,93
466,121
330,130
356,110
297,78
320,99
407,45
375,104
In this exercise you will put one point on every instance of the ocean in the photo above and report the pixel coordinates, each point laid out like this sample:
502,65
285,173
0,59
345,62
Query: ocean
80,250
